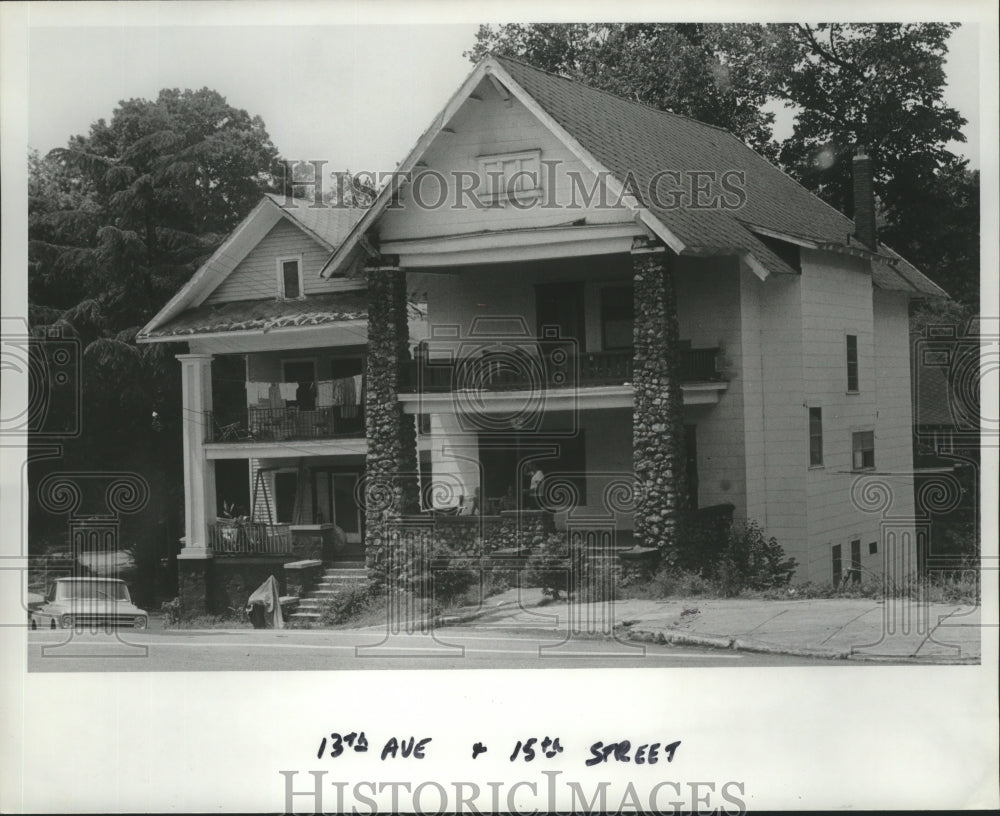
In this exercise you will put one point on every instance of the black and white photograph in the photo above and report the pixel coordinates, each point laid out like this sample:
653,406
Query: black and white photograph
407,412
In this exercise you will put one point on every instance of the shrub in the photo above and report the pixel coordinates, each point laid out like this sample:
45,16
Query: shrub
548,566
171,611
348,604
750,560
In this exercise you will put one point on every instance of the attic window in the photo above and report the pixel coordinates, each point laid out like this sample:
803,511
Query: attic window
290,277
511,176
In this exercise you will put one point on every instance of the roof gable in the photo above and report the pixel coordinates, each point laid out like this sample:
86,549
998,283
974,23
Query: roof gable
321,230
634,142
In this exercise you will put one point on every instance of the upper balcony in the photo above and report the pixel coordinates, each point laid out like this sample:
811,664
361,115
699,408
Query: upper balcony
503,368
290,411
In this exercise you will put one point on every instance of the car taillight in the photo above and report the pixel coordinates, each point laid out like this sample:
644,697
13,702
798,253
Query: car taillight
66,621
140,622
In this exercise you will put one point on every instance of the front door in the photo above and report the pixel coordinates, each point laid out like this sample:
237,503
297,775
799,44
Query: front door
559,306
285,487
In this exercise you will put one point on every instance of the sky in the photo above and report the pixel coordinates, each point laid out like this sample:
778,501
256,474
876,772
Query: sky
358,96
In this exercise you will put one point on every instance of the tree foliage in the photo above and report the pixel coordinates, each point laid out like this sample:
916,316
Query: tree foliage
686,68
118,220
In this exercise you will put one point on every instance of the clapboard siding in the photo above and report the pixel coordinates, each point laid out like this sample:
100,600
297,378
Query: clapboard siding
708,306
780,462
487,128
256,276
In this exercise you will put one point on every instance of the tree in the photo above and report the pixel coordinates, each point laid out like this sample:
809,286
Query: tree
693,69
882,85
118,220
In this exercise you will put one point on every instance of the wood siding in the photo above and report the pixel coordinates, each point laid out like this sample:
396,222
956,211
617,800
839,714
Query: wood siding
256,276
484,128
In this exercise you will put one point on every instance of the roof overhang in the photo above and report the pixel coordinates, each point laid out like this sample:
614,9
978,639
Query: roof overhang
240,243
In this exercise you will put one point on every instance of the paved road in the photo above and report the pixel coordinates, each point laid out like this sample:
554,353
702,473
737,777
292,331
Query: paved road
467,647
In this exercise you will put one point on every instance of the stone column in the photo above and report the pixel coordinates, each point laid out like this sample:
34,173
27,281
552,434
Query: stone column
391,462
199,472
657,412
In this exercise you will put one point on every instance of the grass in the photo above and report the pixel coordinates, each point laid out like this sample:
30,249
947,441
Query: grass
958,587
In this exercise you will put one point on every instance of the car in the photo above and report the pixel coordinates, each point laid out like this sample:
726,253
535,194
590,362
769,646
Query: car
88,603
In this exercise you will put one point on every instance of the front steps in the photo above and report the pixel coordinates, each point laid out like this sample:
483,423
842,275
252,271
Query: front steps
337,576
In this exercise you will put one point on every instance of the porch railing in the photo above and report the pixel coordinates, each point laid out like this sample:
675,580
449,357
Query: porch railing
254,424
510,369
250,538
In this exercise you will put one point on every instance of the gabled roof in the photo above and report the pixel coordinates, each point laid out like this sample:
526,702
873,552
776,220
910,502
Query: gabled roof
327,226
263,315
634,141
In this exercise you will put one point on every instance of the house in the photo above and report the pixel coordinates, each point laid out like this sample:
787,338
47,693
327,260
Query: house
634,301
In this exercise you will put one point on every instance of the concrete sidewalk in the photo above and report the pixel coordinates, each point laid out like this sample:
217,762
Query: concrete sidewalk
859,629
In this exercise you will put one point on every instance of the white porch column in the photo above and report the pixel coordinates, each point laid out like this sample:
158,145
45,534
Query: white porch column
199,472
454,461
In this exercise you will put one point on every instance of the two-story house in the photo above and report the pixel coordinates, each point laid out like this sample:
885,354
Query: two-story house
633,301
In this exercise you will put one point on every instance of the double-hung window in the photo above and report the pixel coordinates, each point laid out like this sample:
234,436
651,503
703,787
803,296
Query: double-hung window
290,278
815,437
852,363
863,450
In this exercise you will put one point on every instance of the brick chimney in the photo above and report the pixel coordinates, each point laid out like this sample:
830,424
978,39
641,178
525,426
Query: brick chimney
864,198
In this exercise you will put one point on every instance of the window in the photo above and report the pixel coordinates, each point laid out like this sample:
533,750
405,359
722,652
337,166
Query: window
852,362
616,317
856,560
290,277
511,176
863,450
873,548
815,437
837,565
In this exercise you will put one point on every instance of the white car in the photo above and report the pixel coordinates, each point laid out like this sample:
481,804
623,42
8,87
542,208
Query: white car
88,603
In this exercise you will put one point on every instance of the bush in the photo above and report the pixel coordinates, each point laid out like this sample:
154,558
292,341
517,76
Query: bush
752,561
348,604
548,566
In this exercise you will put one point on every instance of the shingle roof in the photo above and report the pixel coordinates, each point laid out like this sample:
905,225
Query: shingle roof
246,315
631,138
330,224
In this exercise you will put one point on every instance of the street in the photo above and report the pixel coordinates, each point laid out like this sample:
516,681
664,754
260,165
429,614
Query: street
466,647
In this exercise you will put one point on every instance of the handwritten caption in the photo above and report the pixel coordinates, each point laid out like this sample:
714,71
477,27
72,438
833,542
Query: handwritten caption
527,750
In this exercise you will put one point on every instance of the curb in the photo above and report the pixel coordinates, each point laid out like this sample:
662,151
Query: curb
664,637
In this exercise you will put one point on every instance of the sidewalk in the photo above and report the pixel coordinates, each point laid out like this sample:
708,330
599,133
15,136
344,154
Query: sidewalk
858,629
